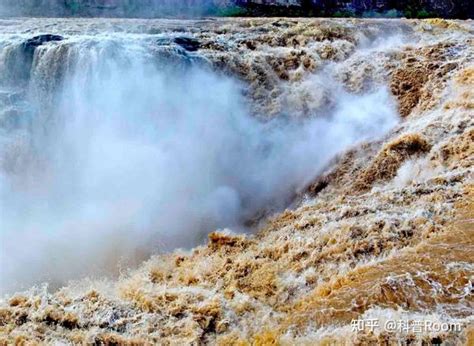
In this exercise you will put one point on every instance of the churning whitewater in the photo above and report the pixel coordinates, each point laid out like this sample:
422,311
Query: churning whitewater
235,181
119,145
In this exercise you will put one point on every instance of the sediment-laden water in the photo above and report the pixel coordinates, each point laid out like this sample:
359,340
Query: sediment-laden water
125,139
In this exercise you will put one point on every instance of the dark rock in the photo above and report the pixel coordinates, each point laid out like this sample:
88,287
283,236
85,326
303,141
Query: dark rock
31,44
27,52
188,43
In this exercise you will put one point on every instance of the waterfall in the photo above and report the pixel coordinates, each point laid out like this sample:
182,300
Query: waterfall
120,145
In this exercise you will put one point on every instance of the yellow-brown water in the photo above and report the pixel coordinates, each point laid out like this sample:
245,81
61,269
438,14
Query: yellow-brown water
384,232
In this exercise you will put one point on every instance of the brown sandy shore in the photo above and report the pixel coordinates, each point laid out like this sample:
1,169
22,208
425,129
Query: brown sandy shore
385,233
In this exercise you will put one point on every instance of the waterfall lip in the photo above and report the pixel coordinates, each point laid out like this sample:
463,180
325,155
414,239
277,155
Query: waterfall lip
188,43
39,40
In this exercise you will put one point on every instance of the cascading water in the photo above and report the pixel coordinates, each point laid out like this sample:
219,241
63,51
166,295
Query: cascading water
120,139
120,145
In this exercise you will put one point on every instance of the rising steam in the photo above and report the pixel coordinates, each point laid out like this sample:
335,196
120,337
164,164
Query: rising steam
128,158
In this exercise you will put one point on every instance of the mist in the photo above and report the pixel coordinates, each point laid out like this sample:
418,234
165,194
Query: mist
111,8
128,158
4,10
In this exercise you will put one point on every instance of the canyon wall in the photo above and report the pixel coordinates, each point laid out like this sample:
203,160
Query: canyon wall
153,8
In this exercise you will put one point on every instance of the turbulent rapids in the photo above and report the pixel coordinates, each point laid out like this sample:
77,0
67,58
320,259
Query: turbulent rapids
279,177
